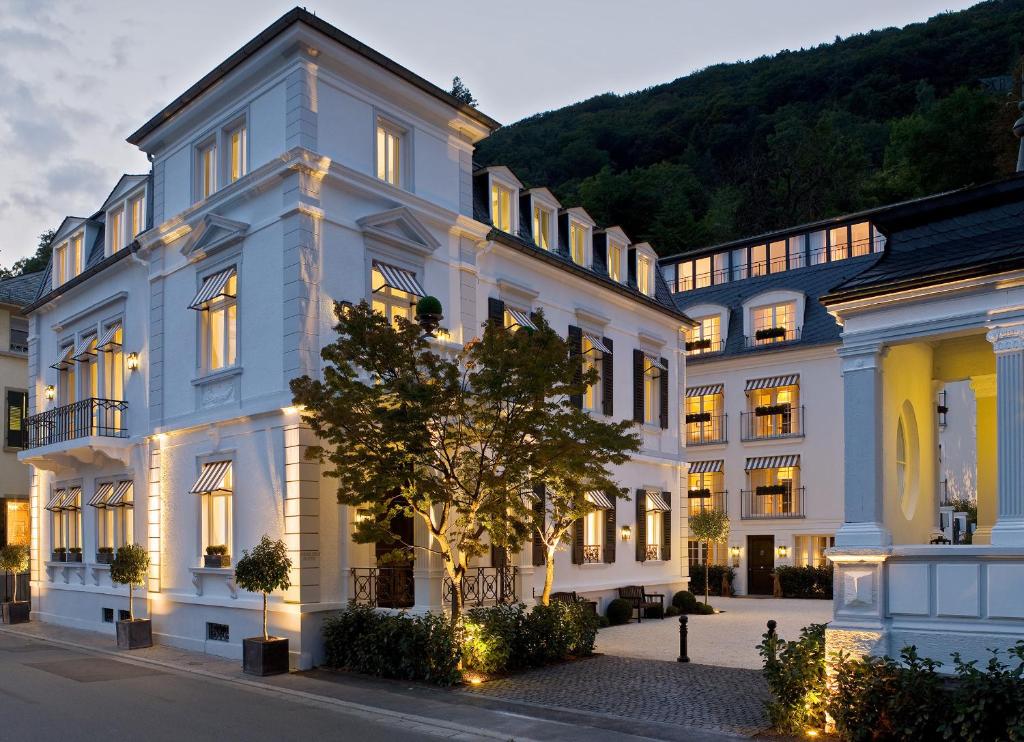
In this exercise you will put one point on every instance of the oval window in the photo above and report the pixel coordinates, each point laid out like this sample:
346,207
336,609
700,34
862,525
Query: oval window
907,461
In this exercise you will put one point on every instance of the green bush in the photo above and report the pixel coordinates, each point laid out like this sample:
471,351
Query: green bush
990,704
685,601
492,638
716,571
619,611
505,638
806,582
671,611
603,622
795,673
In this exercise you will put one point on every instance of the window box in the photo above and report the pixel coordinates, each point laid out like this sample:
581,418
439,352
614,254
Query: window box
702,344
216,557
770,333
105,555
699,493
698,417
60,554
74,554
772,409
773,489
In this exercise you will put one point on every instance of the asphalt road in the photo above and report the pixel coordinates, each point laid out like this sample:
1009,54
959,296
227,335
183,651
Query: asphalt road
52,693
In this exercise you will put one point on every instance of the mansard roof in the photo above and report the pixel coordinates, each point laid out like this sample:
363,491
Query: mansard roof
20,291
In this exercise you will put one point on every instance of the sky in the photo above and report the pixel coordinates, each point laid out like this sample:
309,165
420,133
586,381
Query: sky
77,77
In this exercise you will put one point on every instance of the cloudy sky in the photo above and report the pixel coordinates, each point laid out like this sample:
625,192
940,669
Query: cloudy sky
77,77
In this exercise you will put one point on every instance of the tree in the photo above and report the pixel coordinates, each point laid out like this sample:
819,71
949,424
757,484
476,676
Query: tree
457,442
129,568
709,526
36,262
461,92
264,570
14,560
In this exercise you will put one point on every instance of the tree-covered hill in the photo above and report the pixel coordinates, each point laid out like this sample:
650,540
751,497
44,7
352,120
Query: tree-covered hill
740,148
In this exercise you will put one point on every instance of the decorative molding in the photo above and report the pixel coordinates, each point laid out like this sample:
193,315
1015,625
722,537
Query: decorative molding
516,291
211,234
591,317
400,228
226,573
1006,339
858,588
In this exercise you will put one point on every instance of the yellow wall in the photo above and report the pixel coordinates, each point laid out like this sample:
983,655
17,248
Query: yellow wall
13,375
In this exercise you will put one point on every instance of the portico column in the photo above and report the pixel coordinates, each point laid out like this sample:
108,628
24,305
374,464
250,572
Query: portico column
863,490
986,445
1008,344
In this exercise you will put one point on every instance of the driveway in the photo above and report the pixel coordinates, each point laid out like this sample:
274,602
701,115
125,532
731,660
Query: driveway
727,639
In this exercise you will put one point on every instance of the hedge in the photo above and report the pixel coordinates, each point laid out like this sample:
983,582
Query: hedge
716,570
505,638
806,582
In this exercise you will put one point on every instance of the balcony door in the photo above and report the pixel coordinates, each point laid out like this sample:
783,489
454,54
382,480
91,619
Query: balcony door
760,564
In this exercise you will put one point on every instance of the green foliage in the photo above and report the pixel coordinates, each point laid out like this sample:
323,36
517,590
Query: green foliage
461,92
795,673
737,149
14,558
428,305
806,582
685,601
37,262
619,611
965,505
988,704
715,580
217,550
672,611
130,565
710,525
265,568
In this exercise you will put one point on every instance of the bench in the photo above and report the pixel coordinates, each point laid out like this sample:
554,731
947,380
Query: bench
642,600
572,597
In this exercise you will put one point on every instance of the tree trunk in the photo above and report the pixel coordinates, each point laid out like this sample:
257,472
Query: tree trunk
265,635
707,570
131,608
549,574
14,593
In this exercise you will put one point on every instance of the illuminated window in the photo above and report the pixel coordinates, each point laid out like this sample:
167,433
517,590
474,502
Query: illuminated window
774,412
775,323
684,276
76,256
138,215
614,261
706,337
759,260
219,327
501,207
67,388
114,526
777,256
116,230
721,272
702,277
705,422
542,227
389,152
390,301
860,239
216,517
652,393
838,244
816,247
739,264
88,370
592,358
237,161
644,275
655,532
796,252
577,242
206,170
19,522
593,536
60,264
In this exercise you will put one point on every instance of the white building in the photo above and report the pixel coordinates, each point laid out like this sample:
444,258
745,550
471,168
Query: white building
308,169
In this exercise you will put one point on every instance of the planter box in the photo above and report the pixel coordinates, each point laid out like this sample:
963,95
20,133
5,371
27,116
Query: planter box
699,344
773,409
16,612
74,557
60,556
136,634
216,561
265,656
104,557
769,333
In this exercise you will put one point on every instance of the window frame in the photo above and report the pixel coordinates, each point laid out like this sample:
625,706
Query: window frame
390,297
237,125
8,391
204,322
542,238
400,133
593,358
582,230
652,393
208,501
497,188
645,287
205,185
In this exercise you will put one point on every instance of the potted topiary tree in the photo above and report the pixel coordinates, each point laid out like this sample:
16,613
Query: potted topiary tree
264,570
429,314
14,560
709,526
129,568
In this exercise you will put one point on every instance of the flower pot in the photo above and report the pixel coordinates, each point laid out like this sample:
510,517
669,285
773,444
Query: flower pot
265,656
136,634
104,557
60,556
76,557
16,612
216,561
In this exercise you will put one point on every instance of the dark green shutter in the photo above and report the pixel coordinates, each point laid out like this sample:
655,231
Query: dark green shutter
638,386
641,525
17,411
607,379
577,541
496,311
539,510
666,528
576,355
663,378
609,532
499,556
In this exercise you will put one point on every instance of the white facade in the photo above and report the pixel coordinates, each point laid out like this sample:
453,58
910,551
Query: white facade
306,164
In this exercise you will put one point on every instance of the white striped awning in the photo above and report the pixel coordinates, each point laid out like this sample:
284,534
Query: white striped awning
72,499
55,500
109,342
772,462
213,286
521,318
64,359
399,278
706,467
655,362
85,349
122,495
211,479
656,502
703,391
770,382
596,343
103,493
600,500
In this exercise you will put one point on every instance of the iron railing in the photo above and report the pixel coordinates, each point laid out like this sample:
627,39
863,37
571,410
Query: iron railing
789,424
87,417
705,346
485,586
791,335
783,505
714,501
653,552
383,587
707,432
592,554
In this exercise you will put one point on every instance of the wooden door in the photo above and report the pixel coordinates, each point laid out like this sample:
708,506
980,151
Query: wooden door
760,564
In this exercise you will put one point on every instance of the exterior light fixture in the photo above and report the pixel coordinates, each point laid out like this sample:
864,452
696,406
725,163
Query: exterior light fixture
734,551
782,551
51,391
132,361
626,533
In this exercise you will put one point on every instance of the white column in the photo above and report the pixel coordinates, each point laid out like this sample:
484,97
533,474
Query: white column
863,491
1008,344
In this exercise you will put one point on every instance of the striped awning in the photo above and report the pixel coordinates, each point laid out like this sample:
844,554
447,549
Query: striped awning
72,499
706,467
122,495
654,362
703,391
211,479
54,505
64,359
770,382
109,340
85,349
772,462
656,502
521,318
399,278
596,343
102,496
600,500
213,286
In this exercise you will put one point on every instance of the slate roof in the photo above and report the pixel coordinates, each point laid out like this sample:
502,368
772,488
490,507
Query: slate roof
21,290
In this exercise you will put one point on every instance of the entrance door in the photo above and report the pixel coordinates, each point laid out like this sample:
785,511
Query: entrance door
395,587
760,564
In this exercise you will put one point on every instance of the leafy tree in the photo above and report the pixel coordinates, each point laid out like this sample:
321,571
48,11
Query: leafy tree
461,92
36,262
709,526
264,570
14,560
129,567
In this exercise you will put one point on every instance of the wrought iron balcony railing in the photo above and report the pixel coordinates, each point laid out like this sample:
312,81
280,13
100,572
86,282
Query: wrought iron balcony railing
763,427
772,501
87,417
383,587
712,501
653,552
592,554
707,431
485,586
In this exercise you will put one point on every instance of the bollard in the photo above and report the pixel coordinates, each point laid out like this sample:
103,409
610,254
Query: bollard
772,639
683,657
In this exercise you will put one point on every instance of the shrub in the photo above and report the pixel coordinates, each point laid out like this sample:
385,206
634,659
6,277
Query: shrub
716,571
619,611
806,582
506,638
217,550
492,636
603,622
795,673
989,704
685,602
671,611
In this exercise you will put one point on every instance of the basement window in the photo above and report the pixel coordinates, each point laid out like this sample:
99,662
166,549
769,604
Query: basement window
218,632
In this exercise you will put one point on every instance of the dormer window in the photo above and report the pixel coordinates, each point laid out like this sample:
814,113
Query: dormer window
615,261
389,152
644,275
60,264
577,242
775,323
116,230
542,227
137,209
501,207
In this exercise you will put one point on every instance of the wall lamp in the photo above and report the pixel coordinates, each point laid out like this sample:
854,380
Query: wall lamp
734,551
782,551
50,392
132,361
626,532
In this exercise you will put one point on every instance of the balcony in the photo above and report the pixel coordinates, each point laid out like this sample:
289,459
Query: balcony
771,336
704,347
701,501
383,587
482,586
772,422
703,429
774,501
76,433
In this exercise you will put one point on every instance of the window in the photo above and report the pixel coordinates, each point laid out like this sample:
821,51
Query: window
706,337
65,508
501,207
237,164
721,272
76,255
19,335
774,492
614,261
739,264
67,389
774,411
17,411
774,324
114,514
705,489
112,360
137,208
652,393
655,532
60,264
215,485
860,239
759,260
389,300
796,252
592,357
697,553
810,550
116,230
542,227
684,276
705,421
777,256
206,168
577,242
389,153
816,247
88,371
18,525
518,318
645,276
217,303
702,277
838,244
593,536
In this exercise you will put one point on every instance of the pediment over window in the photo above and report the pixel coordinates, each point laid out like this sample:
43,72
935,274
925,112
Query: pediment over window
398,227
211,234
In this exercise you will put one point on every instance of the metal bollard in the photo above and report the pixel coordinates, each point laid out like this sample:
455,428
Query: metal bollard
683,657
772,638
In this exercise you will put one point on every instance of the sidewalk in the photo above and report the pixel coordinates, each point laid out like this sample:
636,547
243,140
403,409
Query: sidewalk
605,698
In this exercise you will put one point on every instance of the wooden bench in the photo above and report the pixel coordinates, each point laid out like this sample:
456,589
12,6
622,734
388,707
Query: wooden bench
572,597
642,600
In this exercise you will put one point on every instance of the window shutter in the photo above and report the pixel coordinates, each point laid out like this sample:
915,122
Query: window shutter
496,311
666,528
17,411
641,525
663,378
539,509
577,542
607,379
576,354
638,386
609,532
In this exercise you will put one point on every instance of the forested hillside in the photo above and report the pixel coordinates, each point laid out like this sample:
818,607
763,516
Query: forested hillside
740,148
